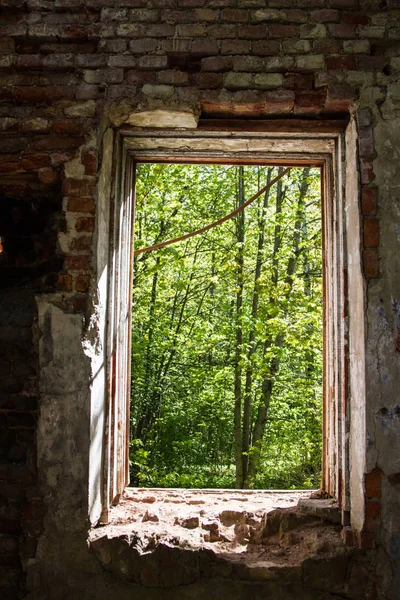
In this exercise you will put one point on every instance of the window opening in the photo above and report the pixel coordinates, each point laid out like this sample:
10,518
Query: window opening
227,329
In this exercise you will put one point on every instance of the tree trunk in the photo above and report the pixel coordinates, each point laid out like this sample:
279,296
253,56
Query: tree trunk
269,379
239,332
247,399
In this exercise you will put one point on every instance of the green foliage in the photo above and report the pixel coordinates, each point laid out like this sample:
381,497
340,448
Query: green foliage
185,324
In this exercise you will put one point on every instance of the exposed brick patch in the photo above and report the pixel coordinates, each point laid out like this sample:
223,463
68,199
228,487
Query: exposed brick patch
371,263
82,283
64,283
373,484
371,233
369,202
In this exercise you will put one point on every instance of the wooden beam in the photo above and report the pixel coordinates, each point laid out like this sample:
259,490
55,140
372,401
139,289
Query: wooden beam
278,126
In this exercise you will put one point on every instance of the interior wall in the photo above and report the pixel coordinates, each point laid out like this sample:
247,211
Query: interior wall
70,69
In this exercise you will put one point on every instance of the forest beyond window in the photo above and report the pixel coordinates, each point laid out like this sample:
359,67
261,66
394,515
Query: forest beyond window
227,329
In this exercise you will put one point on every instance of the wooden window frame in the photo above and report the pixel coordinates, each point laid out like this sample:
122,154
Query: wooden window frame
135,145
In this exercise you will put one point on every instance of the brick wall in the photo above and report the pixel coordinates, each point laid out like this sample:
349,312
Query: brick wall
63,63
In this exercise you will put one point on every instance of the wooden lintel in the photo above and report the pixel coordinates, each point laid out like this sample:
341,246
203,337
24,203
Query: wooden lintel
278,126
277,162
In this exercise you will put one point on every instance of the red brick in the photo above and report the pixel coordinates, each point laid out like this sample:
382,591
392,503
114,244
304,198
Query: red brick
339,98
252,32
9,163
55,48
82,283
265,47
371,63
367,171
29,94
296,16
177,16
371,263
159,31
366,541
208,81
90,161
250,64
325,15
235,15
371,233
141,46
48,176
81,205
153,62
57,143
64,283
373,484
173,77
29,62
298,81
218,64
101,76
85,224
91,61
68,127
343,30
326,46
354,18
205,47
235,47
341,63
59,62
78,187
82,243
117,46
282,31
73,32
87,91
280,101
59,158
224,31
191,3
372,515
35,161
206,14
368,199
77,263
309,102
58,92
140,77
366,142
344,3
191,30
348,536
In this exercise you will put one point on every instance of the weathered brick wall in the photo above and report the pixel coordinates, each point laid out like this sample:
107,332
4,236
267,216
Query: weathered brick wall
63,64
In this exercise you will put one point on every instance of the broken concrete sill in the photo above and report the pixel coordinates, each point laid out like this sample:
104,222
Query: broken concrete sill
171,538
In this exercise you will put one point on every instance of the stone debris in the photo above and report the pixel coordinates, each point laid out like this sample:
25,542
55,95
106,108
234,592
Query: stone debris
151,515
213,534
271,546
193,519
188,522
232,517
